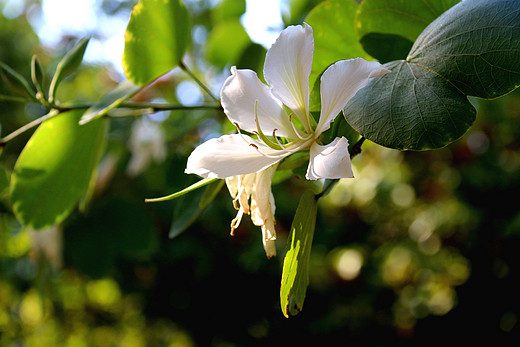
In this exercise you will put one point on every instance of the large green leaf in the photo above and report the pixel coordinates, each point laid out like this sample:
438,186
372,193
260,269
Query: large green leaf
334,36
387,29
54,170
221,49
295,275
157,36
472,49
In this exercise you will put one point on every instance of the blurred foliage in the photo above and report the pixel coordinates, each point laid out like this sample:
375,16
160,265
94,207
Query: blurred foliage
419,247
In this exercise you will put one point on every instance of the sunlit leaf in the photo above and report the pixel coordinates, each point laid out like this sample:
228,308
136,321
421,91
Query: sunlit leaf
228,10
295,276
53,171
334,35
156,39
472,49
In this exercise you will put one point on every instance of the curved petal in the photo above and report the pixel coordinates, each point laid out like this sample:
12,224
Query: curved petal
340,82
288,66
231,155
239,94
330,161
263,208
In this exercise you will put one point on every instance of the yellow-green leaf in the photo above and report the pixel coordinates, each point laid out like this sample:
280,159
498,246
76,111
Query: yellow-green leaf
156,39
295,275
54,169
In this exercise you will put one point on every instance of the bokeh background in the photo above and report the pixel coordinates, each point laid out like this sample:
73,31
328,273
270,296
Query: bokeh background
419,247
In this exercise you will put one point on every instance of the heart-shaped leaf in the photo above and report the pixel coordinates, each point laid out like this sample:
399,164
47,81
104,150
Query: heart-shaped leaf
472,49
157,36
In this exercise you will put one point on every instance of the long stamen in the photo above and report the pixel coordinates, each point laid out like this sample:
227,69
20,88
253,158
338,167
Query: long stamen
261,135
276,138
295,129
242,136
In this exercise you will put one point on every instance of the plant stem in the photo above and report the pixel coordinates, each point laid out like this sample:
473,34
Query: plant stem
52,113
167,107
199,82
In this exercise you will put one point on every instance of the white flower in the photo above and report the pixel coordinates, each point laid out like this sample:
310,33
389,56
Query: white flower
260,109
257,187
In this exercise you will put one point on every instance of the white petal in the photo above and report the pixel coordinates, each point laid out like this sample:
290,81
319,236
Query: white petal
288,66
231,155
238,95
340,82
330,161
263,208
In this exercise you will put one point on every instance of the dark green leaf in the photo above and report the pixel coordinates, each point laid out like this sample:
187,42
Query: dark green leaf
295,276
388,28
54,169
156,39
472,49
386,47
16,80
189,207
475,46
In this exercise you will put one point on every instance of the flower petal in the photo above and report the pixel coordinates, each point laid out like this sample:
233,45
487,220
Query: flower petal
340,82
288,66
263,208
239,94
330,161
231,155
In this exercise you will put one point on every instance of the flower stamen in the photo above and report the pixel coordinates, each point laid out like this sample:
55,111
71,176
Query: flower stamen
295,129
261,135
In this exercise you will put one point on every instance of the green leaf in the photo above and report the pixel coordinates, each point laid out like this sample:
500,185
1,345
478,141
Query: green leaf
157,36
67,65
472,49
220,49
478,48
37,75
295,275
189,207
54,169
388,28
228,10
111,100
334,35
16,80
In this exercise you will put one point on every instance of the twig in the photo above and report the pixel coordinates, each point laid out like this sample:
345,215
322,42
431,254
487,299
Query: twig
199,82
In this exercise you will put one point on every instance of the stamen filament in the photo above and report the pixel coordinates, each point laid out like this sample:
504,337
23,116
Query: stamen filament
261,135
295,129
